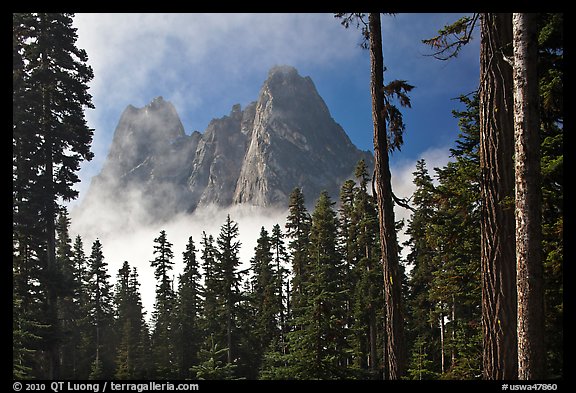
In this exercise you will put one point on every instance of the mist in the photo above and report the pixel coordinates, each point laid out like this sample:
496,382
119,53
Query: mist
128,236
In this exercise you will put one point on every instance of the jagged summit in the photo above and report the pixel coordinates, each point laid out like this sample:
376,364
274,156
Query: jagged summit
295,142
283,69
256,155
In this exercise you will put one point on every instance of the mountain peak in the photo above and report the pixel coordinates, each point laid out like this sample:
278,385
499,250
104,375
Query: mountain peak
295,142
157,103
254,155
282,71
140,132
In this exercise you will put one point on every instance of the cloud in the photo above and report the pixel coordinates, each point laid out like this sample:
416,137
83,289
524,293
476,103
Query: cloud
125,236
403,186
126,50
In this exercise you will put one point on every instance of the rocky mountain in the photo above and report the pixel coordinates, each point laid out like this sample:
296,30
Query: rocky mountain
256,155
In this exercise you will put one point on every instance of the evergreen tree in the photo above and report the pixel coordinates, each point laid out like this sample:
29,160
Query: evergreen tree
131,353
422,332
459,196
144,367
420,366
27,240
496,184
388,131
280,260
319,346
444,298
367,280
227,271
455,286
189,312
163,339
298,231
211,367
212,310
101,315
264,297
500,355
69,299
348,225
50,139
351,255
528,198
550,71
80,268
274,363
82,300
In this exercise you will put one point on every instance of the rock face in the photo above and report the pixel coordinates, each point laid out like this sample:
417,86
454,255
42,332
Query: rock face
256,156
294,142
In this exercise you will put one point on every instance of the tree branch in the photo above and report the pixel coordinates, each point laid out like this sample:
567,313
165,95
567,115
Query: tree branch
402,202
461,31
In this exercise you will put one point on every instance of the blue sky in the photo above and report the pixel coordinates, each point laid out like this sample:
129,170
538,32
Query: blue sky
205,63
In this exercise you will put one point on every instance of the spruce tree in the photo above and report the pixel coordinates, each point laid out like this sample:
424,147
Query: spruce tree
274,363
163,339
550,70
298,231
189,312
388,136
82,299
444,296
211,366
370,291
50,139
319,346
264,297
364,275
280,261
131,353
69,299
423,333
351,255
455,288
211,310
227,271
101,315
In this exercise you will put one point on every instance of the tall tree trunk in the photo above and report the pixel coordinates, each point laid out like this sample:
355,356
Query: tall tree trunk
453,334
394,324
497,189
52,270
49,213
373,331
373,341
528,200
229,333
442,357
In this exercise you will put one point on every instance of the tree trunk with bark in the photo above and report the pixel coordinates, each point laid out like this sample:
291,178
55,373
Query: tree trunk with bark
529,281
497,189
394,322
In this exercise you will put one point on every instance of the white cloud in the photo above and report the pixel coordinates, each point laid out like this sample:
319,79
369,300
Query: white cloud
125,237
402,181
125,50
402,172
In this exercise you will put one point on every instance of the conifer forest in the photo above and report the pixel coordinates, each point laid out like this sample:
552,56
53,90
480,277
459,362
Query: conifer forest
473,291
